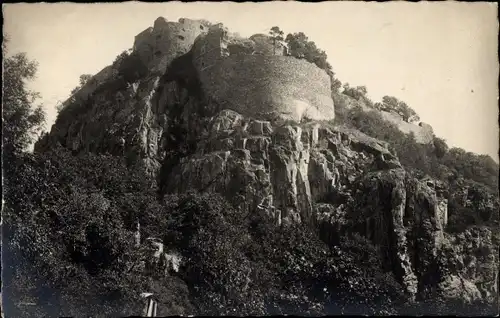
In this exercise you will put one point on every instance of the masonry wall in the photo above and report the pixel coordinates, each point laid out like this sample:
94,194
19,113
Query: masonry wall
264,45
159,45
256,85
423,132
210,48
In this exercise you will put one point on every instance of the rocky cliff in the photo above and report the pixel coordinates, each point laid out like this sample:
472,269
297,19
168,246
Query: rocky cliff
131,110
257,128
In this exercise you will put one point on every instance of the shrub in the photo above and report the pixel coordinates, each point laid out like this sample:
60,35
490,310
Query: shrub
65,218
440,147
131,67
433,159
355,92
392,104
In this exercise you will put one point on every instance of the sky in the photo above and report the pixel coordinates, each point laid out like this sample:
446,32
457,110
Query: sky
439,57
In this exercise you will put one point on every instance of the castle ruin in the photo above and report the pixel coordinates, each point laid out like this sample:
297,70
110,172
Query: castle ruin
251,76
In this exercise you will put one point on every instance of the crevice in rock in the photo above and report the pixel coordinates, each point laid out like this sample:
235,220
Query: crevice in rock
185,118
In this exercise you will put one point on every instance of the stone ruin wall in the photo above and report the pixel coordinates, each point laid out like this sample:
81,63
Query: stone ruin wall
159,45
253,84
265,46
423,132
258,85
210,48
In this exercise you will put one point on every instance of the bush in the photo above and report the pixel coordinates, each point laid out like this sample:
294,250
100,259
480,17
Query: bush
440,147
355,92
66,224
372,124
131,67
393,105
432,159
480,168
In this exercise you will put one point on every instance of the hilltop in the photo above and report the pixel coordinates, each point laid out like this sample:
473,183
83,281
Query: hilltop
234,175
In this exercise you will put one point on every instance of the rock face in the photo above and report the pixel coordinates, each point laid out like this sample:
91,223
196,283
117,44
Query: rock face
339,181
471,265
120,115
255,128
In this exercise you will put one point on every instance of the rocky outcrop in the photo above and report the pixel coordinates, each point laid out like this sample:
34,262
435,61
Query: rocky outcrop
470,265
132,115
193,130
340,181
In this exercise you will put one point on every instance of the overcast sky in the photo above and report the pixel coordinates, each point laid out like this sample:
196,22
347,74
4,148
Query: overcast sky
439,57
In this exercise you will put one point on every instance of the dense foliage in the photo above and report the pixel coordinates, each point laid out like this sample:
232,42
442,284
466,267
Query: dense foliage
22,120
70,224
299,46
455,165
354,92
130,67
72,218
68,218
84,78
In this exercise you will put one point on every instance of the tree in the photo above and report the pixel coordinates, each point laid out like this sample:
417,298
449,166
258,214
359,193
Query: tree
84,78
392,104
354,92
69,222
440,147
120,58
277,37
296,44
336,84
22,120
130,67
300,47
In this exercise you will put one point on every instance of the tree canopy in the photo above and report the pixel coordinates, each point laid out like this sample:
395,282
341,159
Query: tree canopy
277,36
299,46
74,222
394,105
357,92
84,78
22,118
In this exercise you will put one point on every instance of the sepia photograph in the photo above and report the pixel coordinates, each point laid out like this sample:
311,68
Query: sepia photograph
250,159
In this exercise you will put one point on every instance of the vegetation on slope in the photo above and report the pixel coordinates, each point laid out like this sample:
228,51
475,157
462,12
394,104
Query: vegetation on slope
69,224
70,221
455,166
22,118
